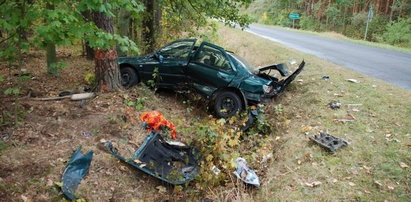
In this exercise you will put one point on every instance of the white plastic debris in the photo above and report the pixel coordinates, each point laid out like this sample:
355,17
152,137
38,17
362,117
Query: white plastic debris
245,173
353,80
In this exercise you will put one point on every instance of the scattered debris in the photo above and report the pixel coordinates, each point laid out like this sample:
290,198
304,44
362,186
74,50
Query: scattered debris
351,184
252,116
354,105
329,142
73,97
154,120
76,169
246,174
313,184
86,133
353,80
215,170
403,165
326,77
335,104
351,118
171,163
267,157
293,62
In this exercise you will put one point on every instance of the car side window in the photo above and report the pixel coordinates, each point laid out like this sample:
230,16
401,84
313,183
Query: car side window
213,57
178,50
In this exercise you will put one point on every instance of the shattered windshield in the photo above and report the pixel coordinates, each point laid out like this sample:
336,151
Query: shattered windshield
239,61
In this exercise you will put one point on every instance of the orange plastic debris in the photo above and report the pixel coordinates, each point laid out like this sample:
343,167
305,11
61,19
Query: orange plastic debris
155,120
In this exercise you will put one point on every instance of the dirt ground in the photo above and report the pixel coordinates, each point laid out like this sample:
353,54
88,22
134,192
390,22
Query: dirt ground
35,150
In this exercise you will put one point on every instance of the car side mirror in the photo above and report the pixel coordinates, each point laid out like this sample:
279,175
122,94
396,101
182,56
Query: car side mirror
158,57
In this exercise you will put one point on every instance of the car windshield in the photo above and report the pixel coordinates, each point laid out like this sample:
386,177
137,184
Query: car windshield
241,61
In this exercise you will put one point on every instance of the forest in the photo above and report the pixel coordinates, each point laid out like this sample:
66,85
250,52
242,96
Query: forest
390,20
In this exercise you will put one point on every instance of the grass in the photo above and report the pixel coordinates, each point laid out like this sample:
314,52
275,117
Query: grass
338,36
380,138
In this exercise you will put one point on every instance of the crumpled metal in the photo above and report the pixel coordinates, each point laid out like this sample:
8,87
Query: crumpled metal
75,171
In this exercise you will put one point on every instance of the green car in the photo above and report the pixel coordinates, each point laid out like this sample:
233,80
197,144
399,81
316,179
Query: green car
222,76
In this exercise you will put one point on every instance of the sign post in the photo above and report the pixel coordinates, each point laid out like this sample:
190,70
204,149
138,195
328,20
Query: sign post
294,16
369,18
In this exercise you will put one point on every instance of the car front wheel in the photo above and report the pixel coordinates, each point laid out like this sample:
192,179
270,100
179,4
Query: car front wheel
128,77
227,104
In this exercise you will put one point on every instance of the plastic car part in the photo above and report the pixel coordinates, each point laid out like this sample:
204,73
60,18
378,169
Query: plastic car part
245,173
173,164
329,142
76,169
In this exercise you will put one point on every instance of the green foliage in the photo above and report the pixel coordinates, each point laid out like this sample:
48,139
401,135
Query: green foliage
1,78
156,78
398,33
90,79
137,104
12,91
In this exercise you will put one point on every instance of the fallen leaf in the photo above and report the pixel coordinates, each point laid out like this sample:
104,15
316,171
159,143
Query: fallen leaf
351,184
378,183
103,140
313,184
403,165
161,189
49,183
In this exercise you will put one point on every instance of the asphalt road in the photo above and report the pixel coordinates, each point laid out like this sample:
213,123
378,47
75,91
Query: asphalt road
391,66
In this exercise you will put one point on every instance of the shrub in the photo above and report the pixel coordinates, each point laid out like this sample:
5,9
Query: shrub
398,33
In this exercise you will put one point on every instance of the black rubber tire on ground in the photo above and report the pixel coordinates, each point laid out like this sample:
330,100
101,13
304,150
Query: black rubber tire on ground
129,77
227,104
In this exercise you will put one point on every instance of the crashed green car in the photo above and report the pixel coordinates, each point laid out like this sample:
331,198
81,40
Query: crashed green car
225,78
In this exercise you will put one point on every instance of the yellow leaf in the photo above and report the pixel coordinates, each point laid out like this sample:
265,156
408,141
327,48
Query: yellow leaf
209,158
232,142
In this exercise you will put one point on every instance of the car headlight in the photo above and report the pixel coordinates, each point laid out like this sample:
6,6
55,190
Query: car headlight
267,89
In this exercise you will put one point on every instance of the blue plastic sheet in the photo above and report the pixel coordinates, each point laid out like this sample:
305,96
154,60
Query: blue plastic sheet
76,169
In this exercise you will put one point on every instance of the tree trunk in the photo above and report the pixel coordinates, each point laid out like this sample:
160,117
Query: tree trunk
51,52
124,21
51,59
387,6
89,51
392,10
106,69
148,26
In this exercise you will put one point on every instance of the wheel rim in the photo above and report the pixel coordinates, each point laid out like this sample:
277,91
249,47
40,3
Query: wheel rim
125,79
228,105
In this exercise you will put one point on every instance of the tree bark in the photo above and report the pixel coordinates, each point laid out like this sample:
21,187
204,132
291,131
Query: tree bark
89,51
51,59
148,26
106,69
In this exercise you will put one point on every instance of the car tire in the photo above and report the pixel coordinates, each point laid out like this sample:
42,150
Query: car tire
129,77
227,104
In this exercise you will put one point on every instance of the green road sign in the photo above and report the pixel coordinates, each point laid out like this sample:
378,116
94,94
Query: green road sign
294,16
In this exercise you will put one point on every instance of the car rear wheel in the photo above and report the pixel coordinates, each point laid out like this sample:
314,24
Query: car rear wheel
227,104
128,77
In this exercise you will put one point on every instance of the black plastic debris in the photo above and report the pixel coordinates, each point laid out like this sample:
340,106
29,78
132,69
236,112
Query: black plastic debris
171,163
252,116
335,104
326,77
329,142
76,169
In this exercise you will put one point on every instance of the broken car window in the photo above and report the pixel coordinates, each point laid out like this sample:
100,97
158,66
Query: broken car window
178,50
212,57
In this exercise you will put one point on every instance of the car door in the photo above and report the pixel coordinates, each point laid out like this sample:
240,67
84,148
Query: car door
173,59
210,68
